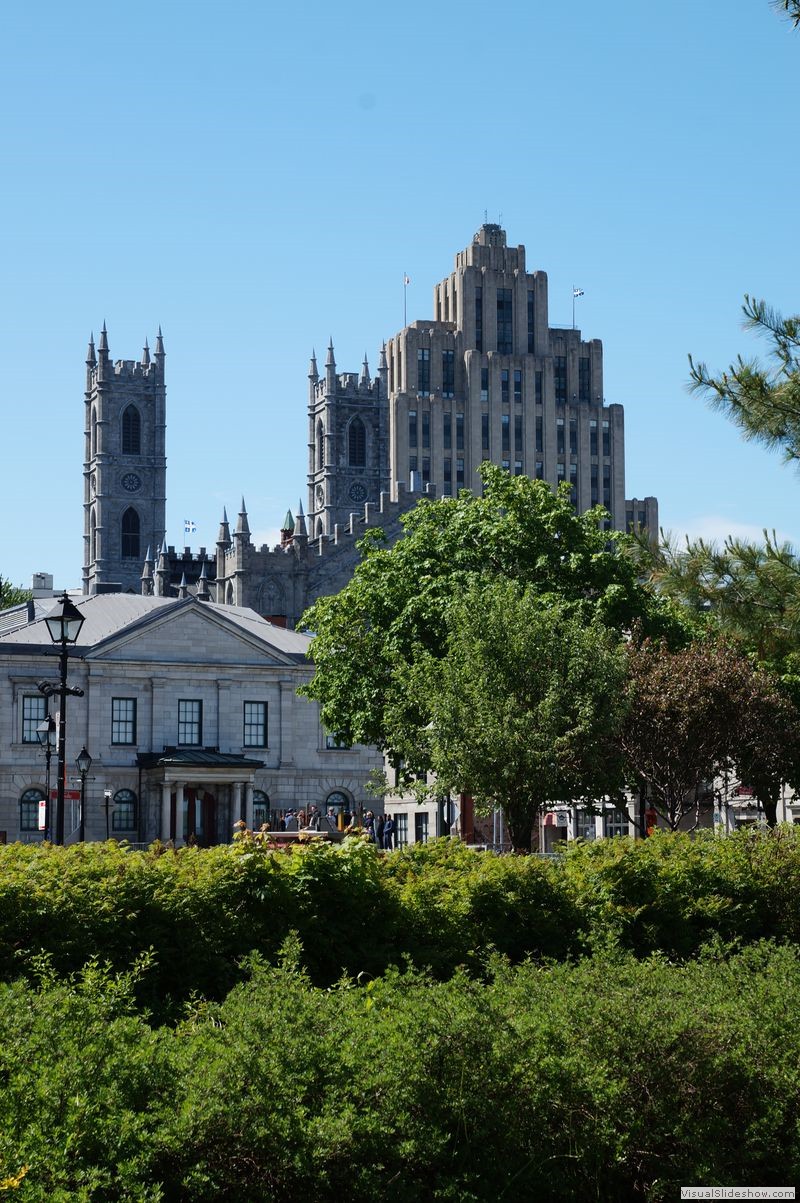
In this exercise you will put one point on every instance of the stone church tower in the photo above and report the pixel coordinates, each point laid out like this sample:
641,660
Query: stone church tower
348,442
125,467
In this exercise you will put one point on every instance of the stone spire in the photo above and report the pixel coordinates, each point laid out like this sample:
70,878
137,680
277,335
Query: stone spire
183,588
147,575
287,530
242,525
365,377
313,374
162,571
203,593
300,531
91,358
159,351
224,536
102,354
383,371
146,355
330,368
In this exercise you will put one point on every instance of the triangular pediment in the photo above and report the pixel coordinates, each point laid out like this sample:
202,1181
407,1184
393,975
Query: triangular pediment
188,634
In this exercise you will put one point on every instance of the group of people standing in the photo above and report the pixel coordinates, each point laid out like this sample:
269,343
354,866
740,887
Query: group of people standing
380,829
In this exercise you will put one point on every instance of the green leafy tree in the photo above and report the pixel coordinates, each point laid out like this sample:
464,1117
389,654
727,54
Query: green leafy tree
525,704
11,595
700,713
395,608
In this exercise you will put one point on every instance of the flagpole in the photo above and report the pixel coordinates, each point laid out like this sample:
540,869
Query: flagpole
405,292
576,292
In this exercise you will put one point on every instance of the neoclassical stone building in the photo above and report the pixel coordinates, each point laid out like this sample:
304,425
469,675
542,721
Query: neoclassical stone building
191,715
486,378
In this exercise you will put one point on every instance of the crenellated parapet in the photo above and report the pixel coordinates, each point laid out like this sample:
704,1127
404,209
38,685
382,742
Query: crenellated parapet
279,582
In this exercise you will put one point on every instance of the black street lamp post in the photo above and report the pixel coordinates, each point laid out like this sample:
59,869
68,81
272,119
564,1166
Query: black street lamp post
46,734
64,625
84,763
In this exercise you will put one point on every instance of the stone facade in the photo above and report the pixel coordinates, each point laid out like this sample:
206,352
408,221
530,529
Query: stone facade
487,378
191,715
125,466
490,379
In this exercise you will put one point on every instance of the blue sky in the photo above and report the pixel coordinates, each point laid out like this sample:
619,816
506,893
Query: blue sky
257,178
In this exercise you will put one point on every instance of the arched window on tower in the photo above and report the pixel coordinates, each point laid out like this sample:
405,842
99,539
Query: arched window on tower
357,444
93,539
131,431
93,451
130,535
320,447
320,529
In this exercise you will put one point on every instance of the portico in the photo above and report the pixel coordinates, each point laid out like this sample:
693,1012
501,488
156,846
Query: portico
203,793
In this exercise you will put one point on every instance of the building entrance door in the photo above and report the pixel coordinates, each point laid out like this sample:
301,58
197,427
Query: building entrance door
198,823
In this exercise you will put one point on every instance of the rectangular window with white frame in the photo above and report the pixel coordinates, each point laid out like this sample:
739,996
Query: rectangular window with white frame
190,723
400,830
254,730
34,712
123,721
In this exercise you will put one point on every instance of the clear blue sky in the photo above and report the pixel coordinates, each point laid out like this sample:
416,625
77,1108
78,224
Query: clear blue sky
255,178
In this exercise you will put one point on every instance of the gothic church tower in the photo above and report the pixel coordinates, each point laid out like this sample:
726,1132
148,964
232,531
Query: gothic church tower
348,443
125,467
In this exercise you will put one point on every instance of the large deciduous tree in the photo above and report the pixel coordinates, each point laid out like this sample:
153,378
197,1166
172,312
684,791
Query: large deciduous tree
525,704
395,608
699,713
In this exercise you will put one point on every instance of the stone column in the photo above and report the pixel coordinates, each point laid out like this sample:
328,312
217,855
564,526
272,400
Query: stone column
238,809
248,805
166,794
179,800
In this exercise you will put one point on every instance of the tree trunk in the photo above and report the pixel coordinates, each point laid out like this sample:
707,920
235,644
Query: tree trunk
520,821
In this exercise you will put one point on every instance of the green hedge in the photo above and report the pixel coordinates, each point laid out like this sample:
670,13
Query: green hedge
356,911
613,1078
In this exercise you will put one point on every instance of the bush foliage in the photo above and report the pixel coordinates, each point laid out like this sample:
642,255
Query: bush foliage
435,1024
609,1078
439,905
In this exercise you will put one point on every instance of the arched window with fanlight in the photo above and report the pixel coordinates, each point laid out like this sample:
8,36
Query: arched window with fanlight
130,535
29,809
131,431
357,444
320,446
339,802
124,818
